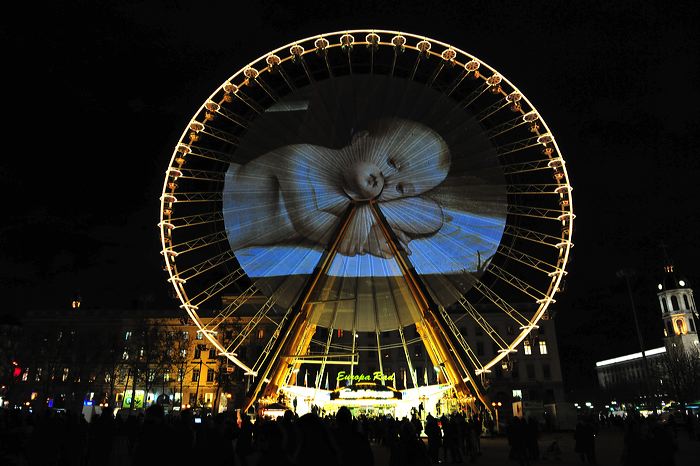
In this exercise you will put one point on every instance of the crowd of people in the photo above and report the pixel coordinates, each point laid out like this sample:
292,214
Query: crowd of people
63,438
58,438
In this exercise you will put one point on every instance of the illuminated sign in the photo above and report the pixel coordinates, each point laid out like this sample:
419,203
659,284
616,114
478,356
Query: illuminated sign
376,376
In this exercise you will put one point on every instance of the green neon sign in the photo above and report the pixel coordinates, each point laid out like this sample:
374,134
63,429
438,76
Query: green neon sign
377,376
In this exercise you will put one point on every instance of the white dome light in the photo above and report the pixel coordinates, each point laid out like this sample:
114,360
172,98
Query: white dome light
661,286
681,283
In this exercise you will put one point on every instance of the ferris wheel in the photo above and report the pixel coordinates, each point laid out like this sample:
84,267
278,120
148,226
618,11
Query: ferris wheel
366,181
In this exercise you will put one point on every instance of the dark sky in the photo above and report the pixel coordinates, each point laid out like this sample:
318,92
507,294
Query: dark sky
97,95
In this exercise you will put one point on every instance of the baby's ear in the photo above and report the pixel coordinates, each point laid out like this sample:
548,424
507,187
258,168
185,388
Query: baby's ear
359,136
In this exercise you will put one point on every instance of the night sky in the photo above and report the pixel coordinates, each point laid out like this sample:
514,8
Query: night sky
97,95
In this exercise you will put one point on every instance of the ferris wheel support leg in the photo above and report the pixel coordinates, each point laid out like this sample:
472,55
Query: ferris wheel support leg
297,333
441,349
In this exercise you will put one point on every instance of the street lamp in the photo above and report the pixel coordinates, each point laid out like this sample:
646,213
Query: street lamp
496,405
626,274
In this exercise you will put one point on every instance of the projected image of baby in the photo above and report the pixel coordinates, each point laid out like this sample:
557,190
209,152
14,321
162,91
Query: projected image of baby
298,193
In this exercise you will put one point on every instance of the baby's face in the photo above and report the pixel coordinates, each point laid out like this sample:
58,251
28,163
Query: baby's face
363,181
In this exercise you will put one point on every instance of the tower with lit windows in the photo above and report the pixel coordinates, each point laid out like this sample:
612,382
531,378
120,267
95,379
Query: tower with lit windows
678,310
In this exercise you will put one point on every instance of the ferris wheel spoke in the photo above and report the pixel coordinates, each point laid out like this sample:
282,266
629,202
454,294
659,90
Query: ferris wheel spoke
538,212
216,288
297,52
203,152
501,303
517,283
475,94
517,146
233,90
219,134
534,188
505,127
227,114
205,266
534,236
473,358
203,196
267,350
196,220
526,259
526,167
254,321
482,322
201,175
200,242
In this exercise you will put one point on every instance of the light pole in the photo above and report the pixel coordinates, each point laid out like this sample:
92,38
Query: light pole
496,405
626,274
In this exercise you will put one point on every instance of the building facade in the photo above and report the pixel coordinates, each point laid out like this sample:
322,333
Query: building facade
653,374
71,358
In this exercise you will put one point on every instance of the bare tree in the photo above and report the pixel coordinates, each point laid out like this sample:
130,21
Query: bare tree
681,370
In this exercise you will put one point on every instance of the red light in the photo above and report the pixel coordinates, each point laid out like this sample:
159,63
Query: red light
16,371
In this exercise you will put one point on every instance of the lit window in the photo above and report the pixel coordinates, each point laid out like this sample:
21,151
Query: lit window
261,333
185,335
166,376
66,371
25,375
37,374
200,336
183,353
195,375
527,348
127,335
518,394
108,378
125,355
179,375
210,375
543,347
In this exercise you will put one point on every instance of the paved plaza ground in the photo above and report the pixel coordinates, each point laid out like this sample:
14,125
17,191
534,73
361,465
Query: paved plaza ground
609,445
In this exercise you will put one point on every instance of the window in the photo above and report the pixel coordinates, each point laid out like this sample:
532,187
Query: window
674,303
543,347
546,371
517,393
530,371
185,335
197,353
195,375
208,398
125,355
66,372
685,301
261,333
200,335
212,353
108,378
691,321
183,353
127,335
25,375
210,375
527,349
664,305
180,374
37,374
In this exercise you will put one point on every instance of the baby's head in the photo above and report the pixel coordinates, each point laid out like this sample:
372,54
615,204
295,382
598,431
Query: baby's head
395,158
363,181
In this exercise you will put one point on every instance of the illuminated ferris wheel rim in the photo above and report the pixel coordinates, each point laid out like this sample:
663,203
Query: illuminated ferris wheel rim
367,37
